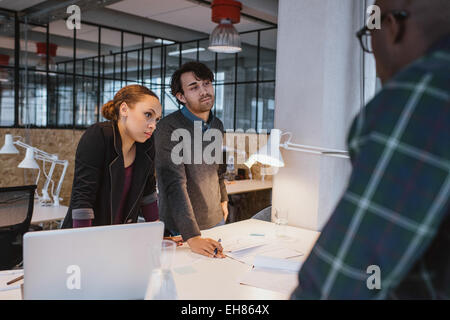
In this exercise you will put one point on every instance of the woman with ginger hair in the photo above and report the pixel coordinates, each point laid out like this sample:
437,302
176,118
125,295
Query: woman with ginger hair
114,179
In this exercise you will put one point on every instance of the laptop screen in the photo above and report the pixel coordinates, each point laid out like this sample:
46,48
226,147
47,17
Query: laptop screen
108,262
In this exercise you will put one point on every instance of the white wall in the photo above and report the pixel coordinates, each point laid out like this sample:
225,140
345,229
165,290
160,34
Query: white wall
318,93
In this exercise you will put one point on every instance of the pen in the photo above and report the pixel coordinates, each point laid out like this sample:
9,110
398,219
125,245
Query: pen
14,280
215,250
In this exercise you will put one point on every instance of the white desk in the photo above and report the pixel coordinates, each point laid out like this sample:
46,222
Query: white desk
242,186
216,279
46,214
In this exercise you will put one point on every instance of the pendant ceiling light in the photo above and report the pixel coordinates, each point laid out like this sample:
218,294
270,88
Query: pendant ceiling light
225,38
4,72
41,48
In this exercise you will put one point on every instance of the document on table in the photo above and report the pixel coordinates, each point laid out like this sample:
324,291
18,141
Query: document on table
273,274
274,250
242,243
6,276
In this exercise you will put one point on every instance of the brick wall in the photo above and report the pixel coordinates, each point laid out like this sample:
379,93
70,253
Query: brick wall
63,143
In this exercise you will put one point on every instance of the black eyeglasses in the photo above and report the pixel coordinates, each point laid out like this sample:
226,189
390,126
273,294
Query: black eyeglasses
365,34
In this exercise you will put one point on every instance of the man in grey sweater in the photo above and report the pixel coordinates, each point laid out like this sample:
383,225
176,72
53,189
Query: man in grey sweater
192,192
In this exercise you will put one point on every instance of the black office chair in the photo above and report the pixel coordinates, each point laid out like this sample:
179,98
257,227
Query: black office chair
16,210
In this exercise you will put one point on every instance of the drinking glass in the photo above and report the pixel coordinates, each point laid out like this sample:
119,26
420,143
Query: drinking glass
281,221
161,285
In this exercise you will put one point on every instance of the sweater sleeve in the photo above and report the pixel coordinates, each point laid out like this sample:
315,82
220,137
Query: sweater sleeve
81,223
89,161
172,177
150,211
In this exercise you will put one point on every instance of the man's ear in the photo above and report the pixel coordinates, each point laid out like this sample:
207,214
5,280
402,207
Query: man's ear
181,97
394,29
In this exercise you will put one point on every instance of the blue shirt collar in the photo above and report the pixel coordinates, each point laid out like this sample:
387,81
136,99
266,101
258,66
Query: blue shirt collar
189,115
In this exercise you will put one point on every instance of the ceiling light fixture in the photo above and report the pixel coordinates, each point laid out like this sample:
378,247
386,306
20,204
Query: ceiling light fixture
161,41
41,48
4,72
192,50
225,38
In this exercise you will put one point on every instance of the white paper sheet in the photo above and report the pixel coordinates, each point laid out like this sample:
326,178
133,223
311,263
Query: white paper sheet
279,281
275,250
242,243
287,265
6,276
274,274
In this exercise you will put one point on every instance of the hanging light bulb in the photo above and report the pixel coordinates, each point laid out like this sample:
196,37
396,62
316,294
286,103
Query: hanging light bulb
225,38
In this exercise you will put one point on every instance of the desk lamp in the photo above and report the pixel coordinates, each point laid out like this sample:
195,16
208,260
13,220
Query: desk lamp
30,163
270,153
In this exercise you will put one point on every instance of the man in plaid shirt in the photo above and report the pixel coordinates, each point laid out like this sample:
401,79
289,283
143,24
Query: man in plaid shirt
393,221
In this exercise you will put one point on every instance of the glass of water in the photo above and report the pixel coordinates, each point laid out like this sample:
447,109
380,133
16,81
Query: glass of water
161,284
281,220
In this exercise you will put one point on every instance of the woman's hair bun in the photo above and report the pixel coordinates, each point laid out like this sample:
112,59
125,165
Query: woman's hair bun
109,111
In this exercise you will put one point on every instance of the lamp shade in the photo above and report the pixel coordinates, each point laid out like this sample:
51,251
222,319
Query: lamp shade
29,162
8,147
270,153
225,38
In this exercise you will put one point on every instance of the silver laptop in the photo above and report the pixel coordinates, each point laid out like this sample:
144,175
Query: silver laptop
109,262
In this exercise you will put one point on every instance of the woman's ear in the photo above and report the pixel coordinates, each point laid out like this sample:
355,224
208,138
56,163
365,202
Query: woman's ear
123,109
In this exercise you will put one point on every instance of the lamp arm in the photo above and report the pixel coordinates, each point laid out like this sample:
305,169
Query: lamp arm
58,189
302,146
37,180
50,158
54,160
36,150
45,194
315,150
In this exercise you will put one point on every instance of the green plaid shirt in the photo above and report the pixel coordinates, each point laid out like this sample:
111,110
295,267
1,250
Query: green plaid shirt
395,212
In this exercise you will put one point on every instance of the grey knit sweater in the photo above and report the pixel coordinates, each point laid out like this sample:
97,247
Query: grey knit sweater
190,195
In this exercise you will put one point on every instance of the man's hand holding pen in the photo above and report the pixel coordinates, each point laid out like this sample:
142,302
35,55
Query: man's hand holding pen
206,246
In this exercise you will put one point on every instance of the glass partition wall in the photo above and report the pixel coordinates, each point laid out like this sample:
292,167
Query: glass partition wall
84,68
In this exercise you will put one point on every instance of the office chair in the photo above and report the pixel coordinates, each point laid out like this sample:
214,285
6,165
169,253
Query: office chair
16,209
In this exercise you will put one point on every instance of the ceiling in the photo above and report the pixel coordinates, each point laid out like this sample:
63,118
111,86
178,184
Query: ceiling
19,5
182,13
181,20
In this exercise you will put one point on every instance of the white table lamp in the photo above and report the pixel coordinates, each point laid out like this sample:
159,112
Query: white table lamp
30,163
8,147
270,153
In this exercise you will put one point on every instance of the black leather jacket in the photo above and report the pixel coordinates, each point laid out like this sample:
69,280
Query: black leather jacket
100,173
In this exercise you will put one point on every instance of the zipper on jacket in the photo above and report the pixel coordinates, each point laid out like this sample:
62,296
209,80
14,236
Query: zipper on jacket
111,193
142,190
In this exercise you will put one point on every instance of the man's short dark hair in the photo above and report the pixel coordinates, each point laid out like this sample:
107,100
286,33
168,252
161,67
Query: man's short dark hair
200,71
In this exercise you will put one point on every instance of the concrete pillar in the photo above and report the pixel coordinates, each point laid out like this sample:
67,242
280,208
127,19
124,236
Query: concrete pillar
318,93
